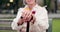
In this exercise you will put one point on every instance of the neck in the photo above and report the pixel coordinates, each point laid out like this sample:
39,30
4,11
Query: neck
31,6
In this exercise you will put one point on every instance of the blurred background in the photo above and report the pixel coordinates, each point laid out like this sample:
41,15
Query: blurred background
9,9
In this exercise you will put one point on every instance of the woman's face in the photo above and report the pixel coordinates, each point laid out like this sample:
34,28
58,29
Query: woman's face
30,1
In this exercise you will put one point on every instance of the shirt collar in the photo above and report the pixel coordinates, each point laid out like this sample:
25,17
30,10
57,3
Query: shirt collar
34,8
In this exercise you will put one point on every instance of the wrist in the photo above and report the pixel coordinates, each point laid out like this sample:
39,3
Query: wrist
33,20
20,22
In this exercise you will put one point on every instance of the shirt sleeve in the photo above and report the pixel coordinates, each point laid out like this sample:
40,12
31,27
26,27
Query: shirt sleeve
42,19
14,23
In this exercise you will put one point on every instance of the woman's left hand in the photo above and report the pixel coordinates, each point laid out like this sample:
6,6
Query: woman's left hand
28,16
34,19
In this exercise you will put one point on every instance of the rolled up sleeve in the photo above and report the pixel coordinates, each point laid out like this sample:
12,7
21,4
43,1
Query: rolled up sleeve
14,23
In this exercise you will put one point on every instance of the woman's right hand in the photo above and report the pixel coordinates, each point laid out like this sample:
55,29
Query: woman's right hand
26,15
22,18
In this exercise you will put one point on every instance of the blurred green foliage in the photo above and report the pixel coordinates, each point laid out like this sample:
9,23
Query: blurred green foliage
56,25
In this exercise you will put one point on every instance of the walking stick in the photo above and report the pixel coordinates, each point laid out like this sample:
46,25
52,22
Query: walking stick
28,24
27,30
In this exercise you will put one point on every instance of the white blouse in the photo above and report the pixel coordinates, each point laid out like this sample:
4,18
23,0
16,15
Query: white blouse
41,23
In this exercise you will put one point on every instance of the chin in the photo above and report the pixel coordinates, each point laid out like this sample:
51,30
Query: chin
30,3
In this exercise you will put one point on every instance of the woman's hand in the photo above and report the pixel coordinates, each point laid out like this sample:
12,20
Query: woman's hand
26,15
33,20
22,18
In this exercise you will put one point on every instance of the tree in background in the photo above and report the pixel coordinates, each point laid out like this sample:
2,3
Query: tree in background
47,2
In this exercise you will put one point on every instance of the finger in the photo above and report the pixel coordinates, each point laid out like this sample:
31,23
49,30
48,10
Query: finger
24,14
29,15
33,20
26,17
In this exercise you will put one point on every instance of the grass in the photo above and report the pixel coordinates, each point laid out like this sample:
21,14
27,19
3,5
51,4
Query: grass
4,25
7,31
56,25
7,18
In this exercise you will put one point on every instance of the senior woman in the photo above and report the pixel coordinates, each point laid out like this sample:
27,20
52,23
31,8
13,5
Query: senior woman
39,21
